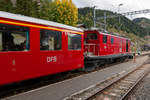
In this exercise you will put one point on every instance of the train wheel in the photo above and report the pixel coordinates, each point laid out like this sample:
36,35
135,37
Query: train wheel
96,64
89,67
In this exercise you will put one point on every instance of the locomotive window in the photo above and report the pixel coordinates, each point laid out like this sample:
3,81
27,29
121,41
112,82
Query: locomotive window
104,38
50,40
112,40
74,41
92,36
14,38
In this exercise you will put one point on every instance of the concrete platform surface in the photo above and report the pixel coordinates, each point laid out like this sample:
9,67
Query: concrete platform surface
60,90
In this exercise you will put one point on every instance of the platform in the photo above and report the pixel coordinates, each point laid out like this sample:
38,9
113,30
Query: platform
60,90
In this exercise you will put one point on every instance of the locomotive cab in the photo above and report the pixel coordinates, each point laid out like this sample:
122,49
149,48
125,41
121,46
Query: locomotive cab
91,41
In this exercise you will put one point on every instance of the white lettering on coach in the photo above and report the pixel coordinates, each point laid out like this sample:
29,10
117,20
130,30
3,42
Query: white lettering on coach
51,59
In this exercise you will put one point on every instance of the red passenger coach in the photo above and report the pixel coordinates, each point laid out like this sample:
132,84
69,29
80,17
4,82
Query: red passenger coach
31,48
101,47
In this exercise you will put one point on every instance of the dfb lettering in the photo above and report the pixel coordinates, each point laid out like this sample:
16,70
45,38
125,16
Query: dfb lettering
51,59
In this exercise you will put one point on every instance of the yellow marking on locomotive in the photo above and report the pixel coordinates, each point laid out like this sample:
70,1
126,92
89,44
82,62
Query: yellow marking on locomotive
37,26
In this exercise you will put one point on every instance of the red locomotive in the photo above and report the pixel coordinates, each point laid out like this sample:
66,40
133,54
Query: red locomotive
31,47
101,47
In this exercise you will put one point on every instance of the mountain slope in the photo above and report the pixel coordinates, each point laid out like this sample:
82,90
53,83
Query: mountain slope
126,25
143,22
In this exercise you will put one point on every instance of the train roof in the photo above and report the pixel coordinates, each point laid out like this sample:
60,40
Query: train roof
114,35
110,34
36,21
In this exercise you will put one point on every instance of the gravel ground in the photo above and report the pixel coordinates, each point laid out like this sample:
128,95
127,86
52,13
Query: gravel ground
142,90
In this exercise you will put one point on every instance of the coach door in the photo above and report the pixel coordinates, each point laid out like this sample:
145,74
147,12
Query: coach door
51,51
74,56
14,44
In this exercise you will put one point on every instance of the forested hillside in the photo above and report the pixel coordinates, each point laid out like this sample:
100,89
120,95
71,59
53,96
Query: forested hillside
126,25
64,11
143,22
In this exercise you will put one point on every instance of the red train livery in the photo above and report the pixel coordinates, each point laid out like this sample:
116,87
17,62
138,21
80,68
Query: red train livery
31,47
101,47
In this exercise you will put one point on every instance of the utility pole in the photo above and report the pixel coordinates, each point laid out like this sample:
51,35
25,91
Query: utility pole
147,36
105,26
119,10
94,16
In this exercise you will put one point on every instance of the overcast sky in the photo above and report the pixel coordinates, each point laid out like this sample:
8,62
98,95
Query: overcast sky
128,5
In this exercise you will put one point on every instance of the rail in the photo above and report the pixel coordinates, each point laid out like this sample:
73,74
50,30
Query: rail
114,88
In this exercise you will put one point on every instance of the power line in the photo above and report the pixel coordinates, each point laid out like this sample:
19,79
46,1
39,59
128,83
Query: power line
127,14
136,12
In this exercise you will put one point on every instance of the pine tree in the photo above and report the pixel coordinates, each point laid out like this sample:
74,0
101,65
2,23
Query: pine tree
46,10
6,5
27,8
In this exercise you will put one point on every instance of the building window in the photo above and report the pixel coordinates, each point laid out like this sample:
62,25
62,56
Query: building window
50,40
104,38
112,40
74,41
14,38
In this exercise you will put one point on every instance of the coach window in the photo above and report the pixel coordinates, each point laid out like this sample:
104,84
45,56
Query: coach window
104,38
14,38
50,40
1,48
112,40
74,41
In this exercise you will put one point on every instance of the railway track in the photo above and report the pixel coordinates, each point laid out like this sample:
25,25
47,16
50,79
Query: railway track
115,88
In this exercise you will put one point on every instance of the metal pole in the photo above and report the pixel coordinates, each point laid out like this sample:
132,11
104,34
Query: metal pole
147,36
105,21
119,11
94,16
134,57
137,44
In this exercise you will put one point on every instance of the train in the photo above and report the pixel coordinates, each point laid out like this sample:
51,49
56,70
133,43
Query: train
101,48
31,48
